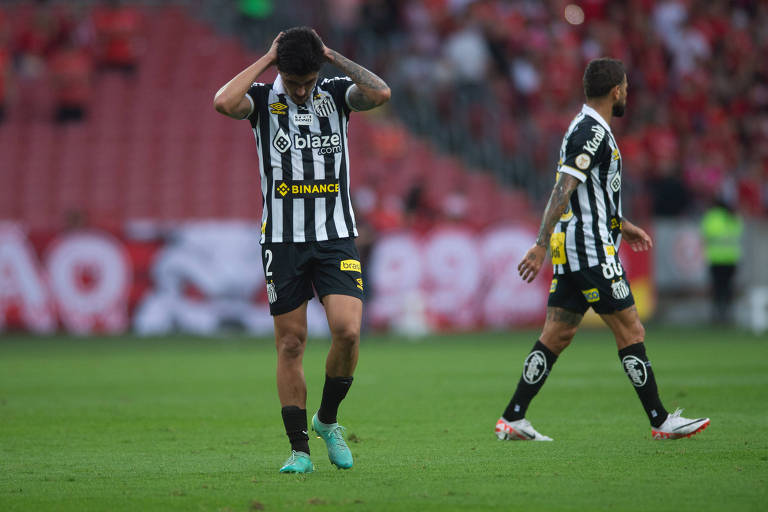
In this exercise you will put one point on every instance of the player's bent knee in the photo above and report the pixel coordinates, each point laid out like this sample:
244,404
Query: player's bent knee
290,346
347,336
558,340
631,335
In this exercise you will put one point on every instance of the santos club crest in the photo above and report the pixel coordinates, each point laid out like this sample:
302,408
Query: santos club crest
323,105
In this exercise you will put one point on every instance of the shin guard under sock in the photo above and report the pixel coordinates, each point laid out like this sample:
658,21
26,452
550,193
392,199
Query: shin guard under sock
638,368
535,371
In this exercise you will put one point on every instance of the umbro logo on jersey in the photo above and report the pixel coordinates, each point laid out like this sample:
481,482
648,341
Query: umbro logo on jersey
278,108
306,189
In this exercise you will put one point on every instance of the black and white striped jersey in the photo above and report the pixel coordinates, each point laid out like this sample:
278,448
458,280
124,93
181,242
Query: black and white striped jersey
304,161
589,232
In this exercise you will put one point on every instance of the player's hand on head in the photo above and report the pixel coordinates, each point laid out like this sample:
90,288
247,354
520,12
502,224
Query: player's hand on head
326,50
273,48
531,263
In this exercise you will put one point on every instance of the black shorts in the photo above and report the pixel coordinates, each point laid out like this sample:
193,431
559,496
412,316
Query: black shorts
603,288
292,269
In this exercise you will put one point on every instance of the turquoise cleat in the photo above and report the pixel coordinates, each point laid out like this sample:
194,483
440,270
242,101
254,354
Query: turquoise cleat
298,462
332,434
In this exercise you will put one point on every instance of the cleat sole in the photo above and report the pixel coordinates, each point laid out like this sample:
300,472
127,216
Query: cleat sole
666,435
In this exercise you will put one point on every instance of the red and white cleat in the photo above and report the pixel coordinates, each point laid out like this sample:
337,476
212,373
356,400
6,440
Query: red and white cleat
519,430
676,427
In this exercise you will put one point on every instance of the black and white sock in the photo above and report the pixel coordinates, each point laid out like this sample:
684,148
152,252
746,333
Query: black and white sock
334,391
638,368
535,371
295,421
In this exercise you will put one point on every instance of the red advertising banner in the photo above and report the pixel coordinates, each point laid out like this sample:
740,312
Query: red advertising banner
205,277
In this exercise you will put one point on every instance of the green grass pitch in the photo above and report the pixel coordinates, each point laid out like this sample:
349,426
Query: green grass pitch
127,424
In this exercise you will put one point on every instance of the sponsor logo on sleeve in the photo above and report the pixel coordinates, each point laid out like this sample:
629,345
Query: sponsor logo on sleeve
593,144
616,182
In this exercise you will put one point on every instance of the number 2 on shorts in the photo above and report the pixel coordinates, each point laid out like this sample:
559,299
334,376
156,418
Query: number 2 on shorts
268,255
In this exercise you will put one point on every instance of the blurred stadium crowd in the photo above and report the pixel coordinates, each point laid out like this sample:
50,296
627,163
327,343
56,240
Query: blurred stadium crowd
494,82
499,81
66,43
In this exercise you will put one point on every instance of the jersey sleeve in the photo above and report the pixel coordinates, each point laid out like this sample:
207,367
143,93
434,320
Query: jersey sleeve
257,94
339,88
582,150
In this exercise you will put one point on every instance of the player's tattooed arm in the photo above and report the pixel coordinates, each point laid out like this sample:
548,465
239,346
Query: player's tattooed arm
369,90
230,99
558,202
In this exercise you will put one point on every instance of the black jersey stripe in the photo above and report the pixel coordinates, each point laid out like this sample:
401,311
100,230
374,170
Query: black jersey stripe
595,224
579,232
344,174
606,197
330,175
308,162
266,166
287,167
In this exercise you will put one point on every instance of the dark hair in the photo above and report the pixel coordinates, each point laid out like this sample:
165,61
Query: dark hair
601,76
299,52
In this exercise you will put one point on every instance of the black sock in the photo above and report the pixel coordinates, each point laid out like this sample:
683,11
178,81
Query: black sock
638,368
535,371
334,391
295,421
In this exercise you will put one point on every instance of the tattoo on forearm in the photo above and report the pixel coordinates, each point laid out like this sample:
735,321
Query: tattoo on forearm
363,78
558,201
564,316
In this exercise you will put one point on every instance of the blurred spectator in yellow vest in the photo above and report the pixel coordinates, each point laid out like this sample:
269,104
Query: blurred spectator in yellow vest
721,230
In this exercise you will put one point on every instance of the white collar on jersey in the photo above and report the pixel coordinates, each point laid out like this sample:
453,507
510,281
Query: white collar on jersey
277,86
586,109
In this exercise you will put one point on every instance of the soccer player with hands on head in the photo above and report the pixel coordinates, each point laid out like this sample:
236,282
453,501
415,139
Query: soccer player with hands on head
308,225
582,226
